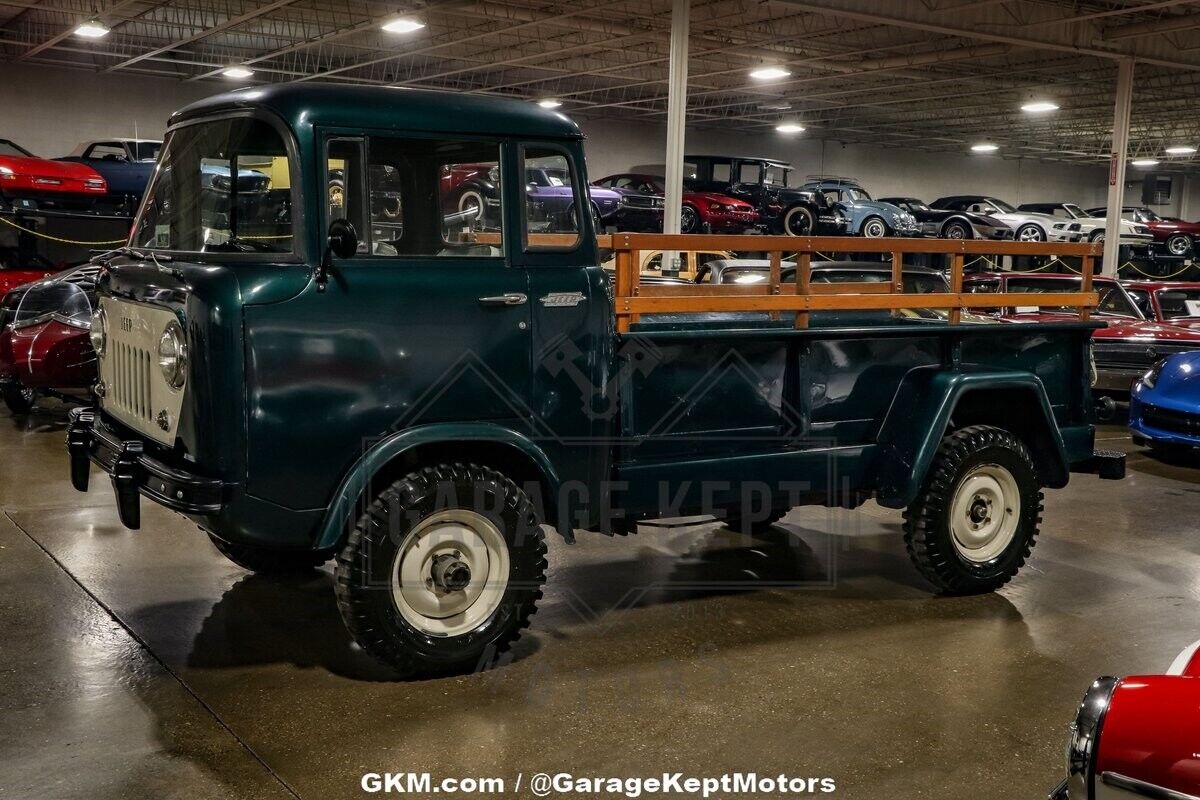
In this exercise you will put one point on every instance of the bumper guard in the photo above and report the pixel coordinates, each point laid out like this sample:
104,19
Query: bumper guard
134,473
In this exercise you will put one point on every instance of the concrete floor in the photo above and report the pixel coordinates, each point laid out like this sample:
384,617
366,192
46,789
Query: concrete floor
144,665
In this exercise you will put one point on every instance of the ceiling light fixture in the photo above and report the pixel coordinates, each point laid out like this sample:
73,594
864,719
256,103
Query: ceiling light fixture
1144,162
984,148
92,29
781,105
1039,107
769,73
403,25
550,102
1180,150
238,72
789,127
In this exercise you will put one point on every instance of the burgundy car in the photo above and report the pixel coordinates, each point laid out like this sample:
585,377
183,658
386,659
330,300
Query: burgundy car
1135,737
45,343
29,181
1175,235
1172,302
701,210
1125,348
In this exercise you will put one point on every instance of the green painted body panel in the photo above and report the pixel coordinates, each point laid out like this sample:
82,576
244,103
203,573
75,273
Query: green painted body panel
297,398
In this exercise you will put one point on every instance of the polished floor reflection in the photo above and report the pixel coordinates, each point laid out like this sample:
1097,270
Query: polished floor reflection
144,665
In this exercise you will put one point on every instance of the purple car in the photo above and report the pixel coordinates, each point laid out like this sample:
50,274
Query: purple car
550,190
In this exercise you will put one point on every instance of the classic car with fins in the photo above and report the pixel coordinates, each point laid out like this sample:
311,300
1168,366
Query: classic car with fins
419,412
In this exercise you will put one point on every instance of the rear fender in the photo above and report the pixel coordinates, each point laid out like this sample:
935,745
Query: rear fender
922,412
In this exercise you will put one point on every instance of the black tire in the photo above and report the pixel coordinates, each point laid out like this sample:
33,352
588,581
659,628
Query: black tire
957,229
19,399
798,221
1179,245
1096,236
735,522
271,560
873,228
368,569
689,219
1030,232
927,525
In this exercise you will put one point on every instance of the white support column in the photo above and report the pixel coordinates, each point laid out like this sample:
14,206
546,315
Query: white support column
676,118
1116,166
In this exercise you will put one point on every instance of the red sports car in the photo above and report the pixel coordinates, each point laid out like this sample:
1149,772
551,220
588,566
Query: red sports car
1176,236
45,343
32,182
1137,737
1125,348
701,210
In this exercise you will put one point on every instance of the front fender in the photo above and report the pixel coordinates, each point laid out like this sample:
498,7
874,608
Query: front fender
342,511
921,412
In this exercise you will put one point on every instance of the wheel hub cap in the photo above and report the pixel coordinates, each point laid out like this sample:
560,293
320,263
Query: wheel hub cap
985,513
450,573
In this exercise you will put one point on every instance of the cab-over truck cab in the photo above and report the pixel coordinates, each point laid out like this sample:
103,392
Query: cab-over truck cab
313,349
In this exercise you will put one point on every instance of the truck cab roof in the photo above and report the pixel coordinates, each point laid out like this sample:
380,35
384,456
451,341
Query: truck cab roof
391,108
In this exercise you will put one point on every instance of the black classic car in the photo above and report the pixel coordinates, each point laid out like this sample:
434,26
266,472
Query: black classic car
946,224
762,182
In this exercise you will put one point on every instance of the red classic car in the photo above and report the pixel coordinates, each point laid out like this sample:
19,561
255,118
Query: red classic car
29,181
1125,348
719,212
1173,302
45,343
1175,235
1136,737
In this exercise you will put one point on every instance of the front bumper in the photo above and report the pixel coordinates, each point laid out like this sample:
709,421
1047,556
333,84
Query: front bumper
730,220
1117,379
134,473
1159,424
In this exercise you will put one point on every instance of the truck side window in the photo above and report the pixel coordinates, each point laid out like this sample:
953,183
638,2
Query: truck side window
345,187
552,200
434,197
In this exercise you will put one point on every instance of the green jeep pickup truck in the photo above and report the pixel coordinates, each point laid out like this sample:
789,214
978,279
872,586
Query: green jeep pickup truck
316,346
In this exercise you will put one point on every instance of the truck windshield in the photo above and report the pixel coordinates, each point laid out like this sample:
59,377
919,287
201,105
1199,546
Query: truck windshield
220,187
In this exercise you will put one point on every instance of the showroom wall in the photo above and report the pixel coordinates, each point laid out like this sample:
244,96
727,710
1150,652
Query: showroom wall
57,108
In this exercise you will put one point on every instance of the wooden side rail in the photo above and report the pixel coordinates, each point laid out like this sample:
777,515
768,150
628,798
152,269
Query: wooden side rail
801,296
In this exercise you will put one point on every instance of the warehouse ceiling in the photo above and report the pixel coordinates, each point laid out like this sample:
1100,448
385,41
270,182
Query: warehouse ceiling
928,74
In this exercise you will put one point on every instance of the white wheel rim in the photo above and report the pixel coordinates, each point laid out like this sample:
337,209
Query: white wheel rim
471,200
1031,235
1178,246
874,230
985,513
467,537
791,215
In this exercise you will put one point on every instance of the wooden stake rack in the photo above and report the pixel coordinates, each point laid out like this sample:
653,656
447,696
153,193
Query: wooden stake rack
800,295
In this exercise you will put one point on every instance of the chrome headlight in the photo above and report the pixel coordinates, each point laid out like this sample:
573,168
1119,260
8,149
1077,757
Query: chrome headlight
99,331
172,355
1084,738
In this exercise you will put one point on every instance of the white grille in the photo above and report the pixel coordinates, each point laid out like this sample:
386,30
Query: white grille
130,390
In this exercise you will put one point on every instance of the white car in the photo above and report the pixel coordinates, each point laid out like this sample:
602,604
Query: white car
1028,226
1132,233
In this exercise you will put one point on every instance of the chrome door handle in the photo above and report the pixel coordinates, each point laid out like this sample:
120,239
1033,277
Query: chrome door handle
509,299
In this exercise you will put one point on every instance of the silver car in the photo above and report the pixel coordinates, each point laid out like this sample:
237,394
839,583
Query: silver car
1027,226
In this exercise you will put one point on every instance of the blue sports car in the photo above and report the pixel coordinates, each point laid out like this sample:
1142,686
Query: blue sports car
1164,408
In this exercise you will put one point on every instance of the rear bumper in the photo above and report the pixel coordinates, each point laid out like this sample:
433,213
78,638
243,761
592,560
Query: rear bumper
134,473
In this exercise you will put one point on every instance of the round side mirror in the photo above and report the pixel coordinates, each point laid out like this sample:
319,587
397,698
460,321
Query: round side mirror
343,239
